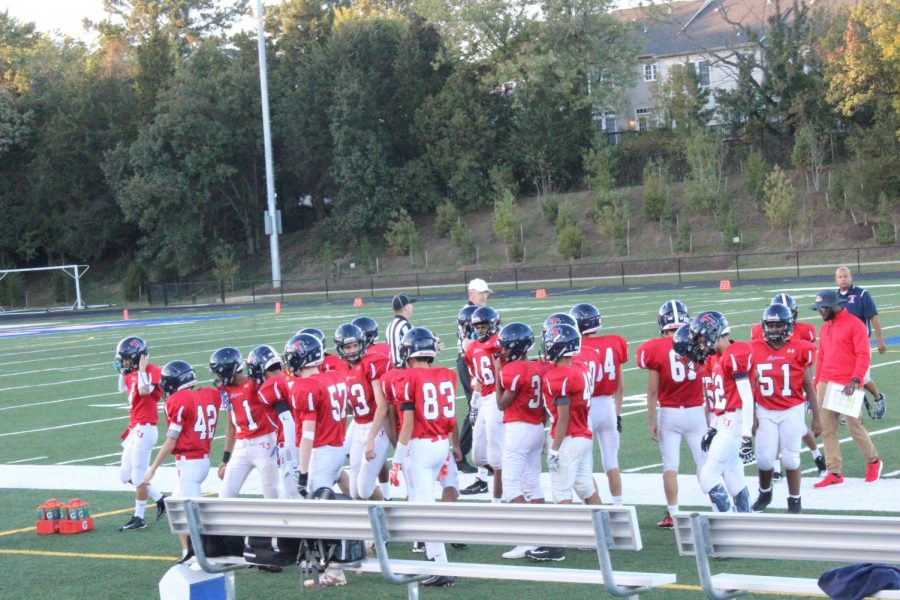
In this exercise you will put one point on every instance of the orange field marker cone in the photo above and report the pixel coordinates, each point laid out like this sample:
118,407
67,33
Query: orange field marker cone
357,302
278,308
125,315
541,293
725,284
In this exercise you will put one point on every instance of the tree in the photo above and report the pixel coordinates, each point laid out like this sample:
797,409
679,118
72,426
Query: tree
885,233
506,226
780,199
682,99
402,236
656,195
570,241
809,153
446,218
705,153
755,171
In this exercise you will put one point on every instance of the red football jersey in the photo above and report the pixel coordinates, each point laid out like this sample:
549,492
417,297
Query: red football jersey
321,398
250,417
705,371
272,391
570,382
613,350
333,362
144,409
195,413
802,331
779,373
589,360
380,349
392,388
431,394
480,359
524,378
735,362
679,383
359,385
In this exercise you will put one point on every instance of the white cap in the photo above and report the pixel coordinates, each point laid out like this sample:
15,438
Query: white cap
479,285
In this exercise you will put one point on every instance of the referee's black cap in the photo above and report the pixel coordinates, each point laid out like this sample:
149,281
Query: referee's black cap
401,300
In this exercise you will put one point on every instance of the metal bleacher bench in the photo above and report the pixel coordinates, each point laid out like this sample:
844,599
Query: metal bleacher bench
783,537
571,526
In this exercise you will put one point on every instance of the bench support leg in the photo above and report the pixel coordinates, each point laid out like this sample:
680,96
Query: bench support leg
603,535
192,516
380,535
702,551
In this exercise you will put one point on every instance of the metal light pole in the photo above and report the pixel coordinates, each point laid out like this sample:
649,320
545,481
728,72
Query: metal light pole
267,144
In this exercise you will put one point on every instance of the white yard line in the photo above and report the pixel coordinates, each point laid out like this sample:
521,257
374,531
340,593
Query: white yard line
62,426
24,460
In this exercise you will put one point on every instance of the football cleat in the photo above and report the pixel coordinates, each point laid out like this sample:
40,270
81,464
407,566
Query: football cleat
794,505
829,480
762,501
439,581
873,470
479,487
160,508
667,522
777,476
459,546
465,467
518,552
134,523
418,547
820,464
547,553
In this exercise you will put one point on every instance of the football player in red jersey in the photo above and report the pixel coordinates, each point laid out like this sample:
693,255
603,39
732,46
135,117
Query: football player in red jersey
265,367
728,443
519,397
678,390
802,331
192,416
487,433
369,328
782,368
369,444
139,378
428,435
250,438
608,391
566,393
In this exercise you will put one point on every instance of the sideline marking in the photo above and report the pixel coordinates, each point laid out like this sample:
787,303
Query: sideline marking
87,555
24,460
63,426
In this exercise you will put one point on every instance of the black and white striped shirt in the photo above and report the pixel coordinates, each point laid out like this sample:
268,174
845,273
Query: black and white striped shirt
394,333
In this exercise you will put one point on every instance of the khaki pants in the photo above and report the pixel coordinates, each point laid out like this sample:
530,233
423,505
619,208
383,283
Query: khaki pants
830,423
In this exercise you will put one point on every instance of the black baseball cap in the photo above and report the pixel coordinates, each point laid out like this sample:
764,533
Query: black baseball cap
401,300
828,299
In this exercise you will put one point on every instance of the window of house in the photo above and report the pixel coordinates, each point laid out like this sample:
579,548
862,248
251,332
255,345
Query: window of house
703,73
643,118
650,72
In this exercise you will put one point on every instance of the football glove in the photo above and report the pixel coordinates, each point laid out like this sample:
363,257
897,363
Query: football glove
395,474
302,482
619,423
877,411
473,415
708,438
553,461
445,469
747,454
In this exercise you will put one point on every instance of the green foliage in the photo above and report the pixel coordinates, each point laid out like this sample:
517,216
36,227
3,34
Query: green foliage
225,264
447,216
683,239
598,162
569,241
884,231
780,198
682,99
505,223
662,146
612,223
61,283
809,152
462,237
550,209
705,153
516,251
132,281
875,166
755,171
566,217
656,196
402,235
12,291
730,229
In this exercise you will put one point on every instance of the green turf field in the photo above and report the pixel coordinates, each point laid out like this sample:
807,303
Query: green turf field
59,404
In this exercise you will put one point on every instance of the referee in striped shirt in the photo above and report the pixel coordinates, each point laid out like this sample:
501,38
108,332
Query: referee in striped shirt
399,325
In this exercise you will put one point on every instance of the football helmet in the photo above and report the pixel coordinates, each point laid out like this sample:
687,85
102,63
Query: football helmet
369,328
777,314
686,346
128,354
316,333
418,342
672,315
560,340
349,333
703,332
788,301
225,363
587,316
464,318
303,350
261,359
515,340
557,319
177,375
485,315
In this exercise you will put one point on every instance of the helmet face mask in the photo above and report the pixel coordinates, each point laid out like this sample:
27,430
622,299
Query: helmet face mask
369,327
128,354
777,323
685,345
560,341
349,342
515,340
418,343
260,360
224,364
485,323
464,319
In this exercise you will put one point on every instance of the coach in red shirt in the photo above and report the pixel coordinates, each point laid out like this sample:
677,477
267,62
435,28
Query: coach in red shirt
843,359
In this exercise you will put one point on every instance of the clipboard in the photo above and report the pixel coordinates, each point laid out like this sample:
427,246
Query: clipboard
835,400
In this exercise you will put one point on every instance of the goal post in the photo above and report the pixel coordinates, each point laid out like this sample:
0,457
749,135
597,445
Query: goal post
75,272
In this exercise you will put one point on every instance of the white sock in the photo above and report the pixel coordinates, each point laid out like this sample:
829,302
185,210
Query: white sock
154,493
764,491
617,500
496,500
672,508
139,506
386,490
482,474
816,453
778,465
